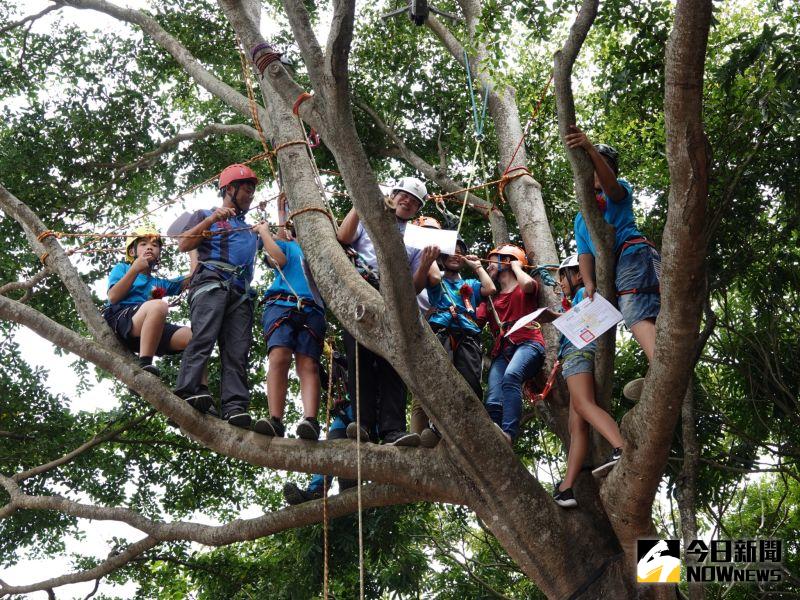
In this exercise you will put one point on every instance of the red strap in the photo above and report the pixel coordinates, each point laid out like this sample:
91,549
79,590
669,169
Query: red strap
653,289
551,379
300,99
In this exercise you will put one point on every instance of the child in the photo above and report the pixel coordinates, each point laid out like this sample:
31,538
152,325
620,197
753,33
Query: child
453,319
520,356
220,300
135,311
577,367
293,324
638,268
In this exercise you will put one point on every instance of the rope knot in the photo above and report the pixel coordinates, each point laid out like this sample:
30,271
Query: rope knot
46,234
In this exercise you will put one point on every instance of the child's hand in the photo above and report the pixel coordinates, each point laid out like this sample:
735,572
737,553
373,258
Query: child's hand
516,266
577,139
261,228
473,261
223,213
142,263
590,289
429,254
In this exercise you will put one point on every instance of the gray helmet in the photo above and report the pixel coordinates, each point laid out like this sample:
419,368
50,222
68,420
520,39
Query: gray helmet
610,154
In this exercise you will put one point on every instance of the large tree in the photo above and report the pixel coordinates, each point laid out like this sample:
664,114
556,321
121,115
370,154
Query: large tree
107,169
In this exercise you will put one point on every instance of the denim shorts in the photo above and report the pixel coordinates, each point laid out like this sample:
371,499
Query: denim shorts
640,268
120,318
302,332
574,361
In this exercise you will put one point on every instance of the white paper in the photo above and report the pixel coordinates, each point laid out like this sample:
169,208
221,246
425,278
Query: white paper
421,237
522,321
588,320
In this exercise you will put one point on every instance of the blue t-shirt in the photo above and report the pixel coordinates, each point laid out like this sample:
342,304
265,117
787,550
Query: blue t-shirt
143,285
619,214
443,296
237,248
564,343
294,271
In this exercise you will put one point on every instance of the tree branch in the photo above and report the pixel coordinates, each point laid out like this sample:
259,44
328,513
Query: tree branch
30,18
27,285
303,33
340,37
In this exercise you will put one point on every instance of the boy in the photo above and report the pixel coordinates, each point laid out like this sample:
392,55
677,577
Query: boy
638,268
453,319
135,311
293,324
382,391
520,356
220,299
577,367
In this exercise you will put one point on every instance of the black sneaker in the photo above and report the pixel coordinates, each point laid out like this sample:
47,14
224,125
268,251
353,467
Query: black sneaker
616,454
271,427
200,400
401,438
429,438
152,369
239,419
295,495
352,432
564,498
308,429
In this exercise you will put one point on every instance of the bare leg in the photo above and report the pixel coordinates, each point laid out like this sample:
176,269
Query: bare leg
578,446
180,339
308,371
148,325
645,334
278,380
582,401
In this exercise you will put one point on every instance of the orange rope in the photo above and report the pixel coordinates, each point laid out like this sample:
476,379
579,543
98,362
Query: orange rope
300,99
311,209
551,379
530,122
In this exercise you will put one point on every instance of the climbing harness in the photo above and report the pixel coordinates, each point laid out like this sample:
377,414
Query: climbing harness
651,289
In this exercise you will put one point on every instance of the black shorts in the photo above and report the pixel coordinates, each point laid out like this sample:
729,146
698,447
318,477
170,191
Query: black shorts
120,318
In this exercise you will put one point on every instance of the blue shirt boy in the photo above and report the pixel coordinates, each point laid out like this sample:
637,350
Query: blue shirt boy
448,293
143,285
291,278
619,214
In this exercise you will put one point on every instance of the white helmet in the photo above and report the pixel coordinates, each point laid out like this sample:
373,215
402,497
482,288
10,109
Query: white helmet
570,261
413,186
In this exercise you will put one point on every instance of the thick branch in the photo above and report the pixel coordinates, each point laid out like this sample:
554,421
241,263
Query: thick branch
583,174
340,37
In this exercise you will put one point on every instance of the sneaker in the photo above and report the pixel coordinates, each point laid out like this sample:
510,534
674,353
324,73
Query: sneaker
308,429
271,427
201,400
564,498
152,369
633,389
352,432
295,495
401,438
239,419
616,454
428,438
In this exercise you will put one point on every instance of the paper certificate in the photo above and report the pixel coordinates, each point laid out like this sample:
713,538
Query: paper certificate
588,320
421,237
522,321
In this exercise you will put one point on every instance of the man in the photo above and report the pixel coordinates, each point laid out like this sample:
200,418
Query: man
220,300
382,392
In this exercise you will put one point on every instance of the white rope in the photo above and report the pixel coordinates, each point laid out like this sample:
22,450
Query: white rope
358,481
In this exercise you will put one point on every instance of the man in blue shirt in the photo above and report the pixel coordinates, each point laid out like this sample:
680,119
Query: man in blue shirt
220,299
135,310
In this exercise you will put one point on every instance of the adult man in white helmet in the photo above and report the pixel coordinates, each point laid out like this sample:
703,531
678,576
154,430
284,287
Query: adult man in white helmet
382,391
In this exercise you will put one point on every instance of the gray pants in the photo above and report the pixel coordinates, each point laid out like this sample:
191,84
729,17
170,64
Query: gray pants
212,323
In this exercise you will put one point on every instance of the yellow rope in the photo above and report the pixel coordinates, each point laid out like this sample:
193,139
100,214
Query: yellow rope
325,477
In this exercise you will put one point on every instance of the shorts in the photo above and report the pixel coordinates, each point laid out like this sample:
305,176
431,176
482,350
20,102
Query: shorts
639,268
301,332
574,361
120,318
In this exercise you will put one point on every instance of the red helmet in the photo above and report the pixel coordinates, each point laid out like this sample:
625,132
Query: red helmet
236,172
510,250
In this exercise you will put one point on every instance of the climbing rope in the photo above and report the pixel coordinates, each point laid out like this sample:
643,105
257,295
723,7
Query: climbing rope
358,481
325,478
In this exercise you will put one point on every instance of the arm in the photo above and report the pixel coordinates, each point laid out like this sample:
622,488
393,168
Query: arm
525,281
427,273
118,291
548,316
487,285
185,244
586,268
349,228
608,180
274,253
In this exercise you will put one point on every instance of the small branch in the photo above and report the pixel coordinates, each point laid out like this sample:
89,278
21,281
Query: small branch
16,436
109,434
30,18
303,32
